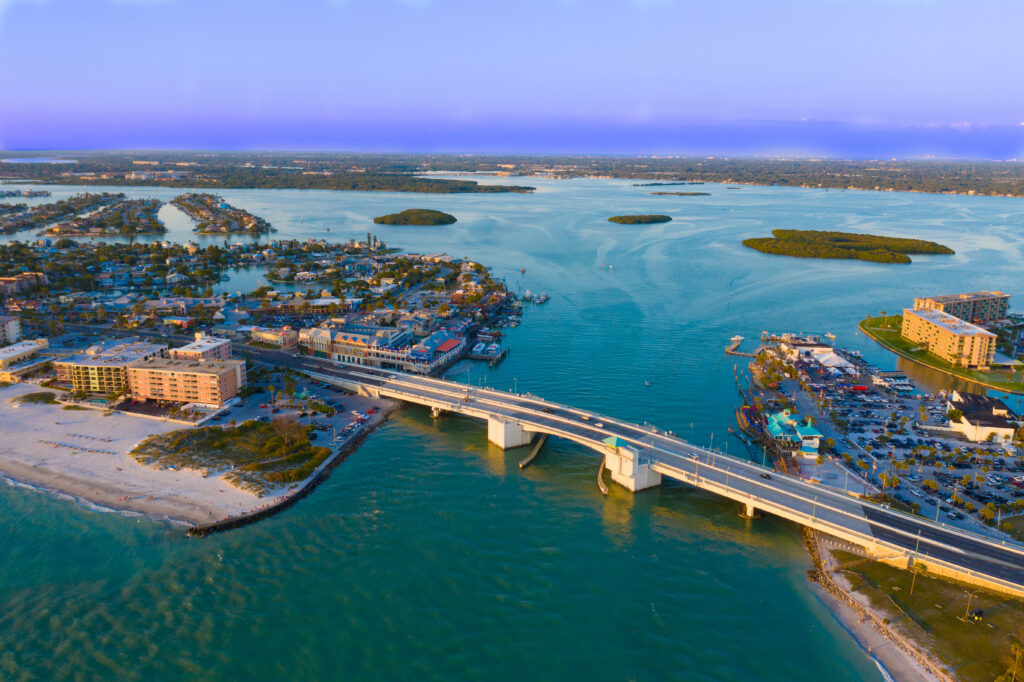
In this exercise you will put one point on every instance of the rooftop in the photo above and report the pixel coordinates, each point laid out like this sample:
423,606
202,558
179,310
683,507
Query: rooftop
950,323
16,349
970,296
116,352
203,343
189,366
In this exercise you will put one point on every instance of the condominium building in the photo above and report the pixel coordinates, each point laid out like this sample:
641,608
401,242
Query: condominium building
980,307
207,382
204,348
357,344
10,329
959,343
103,368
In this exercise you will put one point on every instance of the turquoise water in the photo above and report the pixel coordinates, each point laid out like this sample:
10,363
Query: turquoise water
428,554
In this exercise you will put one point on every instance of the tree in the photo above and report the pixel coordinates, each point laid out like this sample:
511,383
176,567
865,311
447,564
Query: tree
954,415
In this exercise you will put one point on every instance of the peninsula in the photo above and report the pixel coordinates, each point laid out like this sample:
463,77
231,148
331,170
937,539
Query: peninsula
416,216
844,245
130,217
642,219
215,216
35,217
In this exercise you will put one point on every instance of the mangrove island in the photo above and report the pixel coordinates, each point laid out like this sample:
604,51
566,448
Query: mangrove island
416,216
640,219
844,245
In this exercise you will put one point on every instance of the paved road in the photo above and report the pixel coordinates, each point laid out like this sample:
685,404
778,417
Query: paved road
817,506
804,502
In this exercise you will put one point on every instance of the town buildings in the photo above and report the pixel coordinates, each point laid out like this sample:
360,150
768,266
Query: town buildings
21,282
959,343
792,435
10,329
20,359
206,382
285,337
204,348
979,307
982,417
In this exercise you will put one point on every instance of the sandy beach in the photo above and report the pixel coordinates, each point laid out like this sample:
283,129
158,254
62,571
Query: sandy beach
91,463
115,480
899,656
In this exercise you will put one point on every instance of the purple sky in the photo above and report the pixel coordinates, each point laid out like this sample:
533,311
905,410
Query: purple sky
840,77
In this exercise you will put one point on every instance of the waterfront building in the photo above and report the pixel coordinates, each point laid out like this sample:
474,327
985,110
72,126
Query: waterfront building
103,368
205,382
10,329
792,435
383,347
983,417
204,348
959,343
979,307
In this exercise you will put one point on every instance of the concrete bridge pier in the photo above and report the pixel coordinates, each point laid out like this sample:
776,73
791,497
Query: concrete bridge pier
436,412
628,470
507,434
747,511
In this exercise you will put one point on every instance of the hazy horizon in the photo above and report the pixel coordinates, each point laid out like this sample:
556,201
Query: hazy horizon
843,79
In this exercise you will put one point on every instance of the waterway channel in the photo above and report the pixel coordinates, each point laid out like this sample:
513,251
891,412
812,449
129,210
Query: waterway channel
429,554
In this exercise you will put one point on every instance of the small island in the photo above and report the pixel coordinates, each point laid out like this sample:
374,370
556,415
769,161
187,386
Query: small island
640,219
844,245
680,194
416,216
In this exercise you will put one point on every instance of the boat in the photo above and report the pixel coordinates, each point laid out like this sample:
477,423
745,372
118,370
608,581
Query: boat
522,271
830,336
647,382
478,348
527,295
543,298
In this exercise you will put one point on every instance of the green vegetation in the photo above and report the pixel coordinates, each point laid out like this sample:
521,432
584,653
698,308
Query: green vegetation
640,219
123,218
416,216
214,216
256,456
72,407
886,331
843,245
37,398
36,217
931,614
680,194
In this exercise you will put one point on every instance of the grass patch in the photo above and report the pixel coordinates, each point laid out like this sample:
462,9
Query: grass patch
37,398
1014,526
72,407
255,456
972,650
886,331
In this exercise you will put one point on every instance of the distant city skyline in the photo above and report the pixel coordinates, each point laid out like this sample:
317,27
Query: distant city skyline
870,78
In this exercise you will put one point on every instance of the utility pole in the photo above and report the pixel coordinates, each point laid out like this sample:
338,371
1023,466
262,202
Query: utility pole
970,596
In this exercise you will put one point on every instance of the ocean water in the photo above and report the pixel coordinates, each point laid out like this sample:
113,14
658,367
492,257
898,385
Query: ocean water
428,553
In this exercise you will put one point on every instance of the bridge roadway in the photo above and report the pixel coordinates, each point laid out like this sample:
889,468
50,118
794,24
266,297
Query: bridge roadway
888,535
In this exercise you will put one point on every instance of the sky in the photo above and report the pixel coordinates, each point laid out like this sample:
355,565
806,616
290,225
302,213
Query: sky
862,78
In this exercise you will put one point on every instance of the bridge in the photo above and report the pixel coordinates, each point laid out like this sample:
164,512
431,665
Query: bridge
638,457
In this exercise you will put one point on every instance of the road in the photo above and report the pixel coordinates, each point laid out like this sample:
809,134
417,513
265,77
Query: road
835,512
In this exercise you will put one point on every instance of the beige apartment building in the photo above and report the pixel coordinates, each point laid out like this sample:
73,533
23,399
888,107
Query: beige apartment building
204,348
959,343
285,337
10,329
980,307
208,382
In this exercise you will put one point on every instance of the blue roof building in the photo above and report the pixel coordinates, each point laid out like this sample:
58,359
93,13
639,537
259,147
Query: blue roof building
792,434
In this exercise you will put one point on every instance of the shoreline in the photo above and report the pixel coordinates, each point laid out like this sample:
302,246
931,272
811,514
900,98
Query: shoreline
897,655
105,478
892,349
